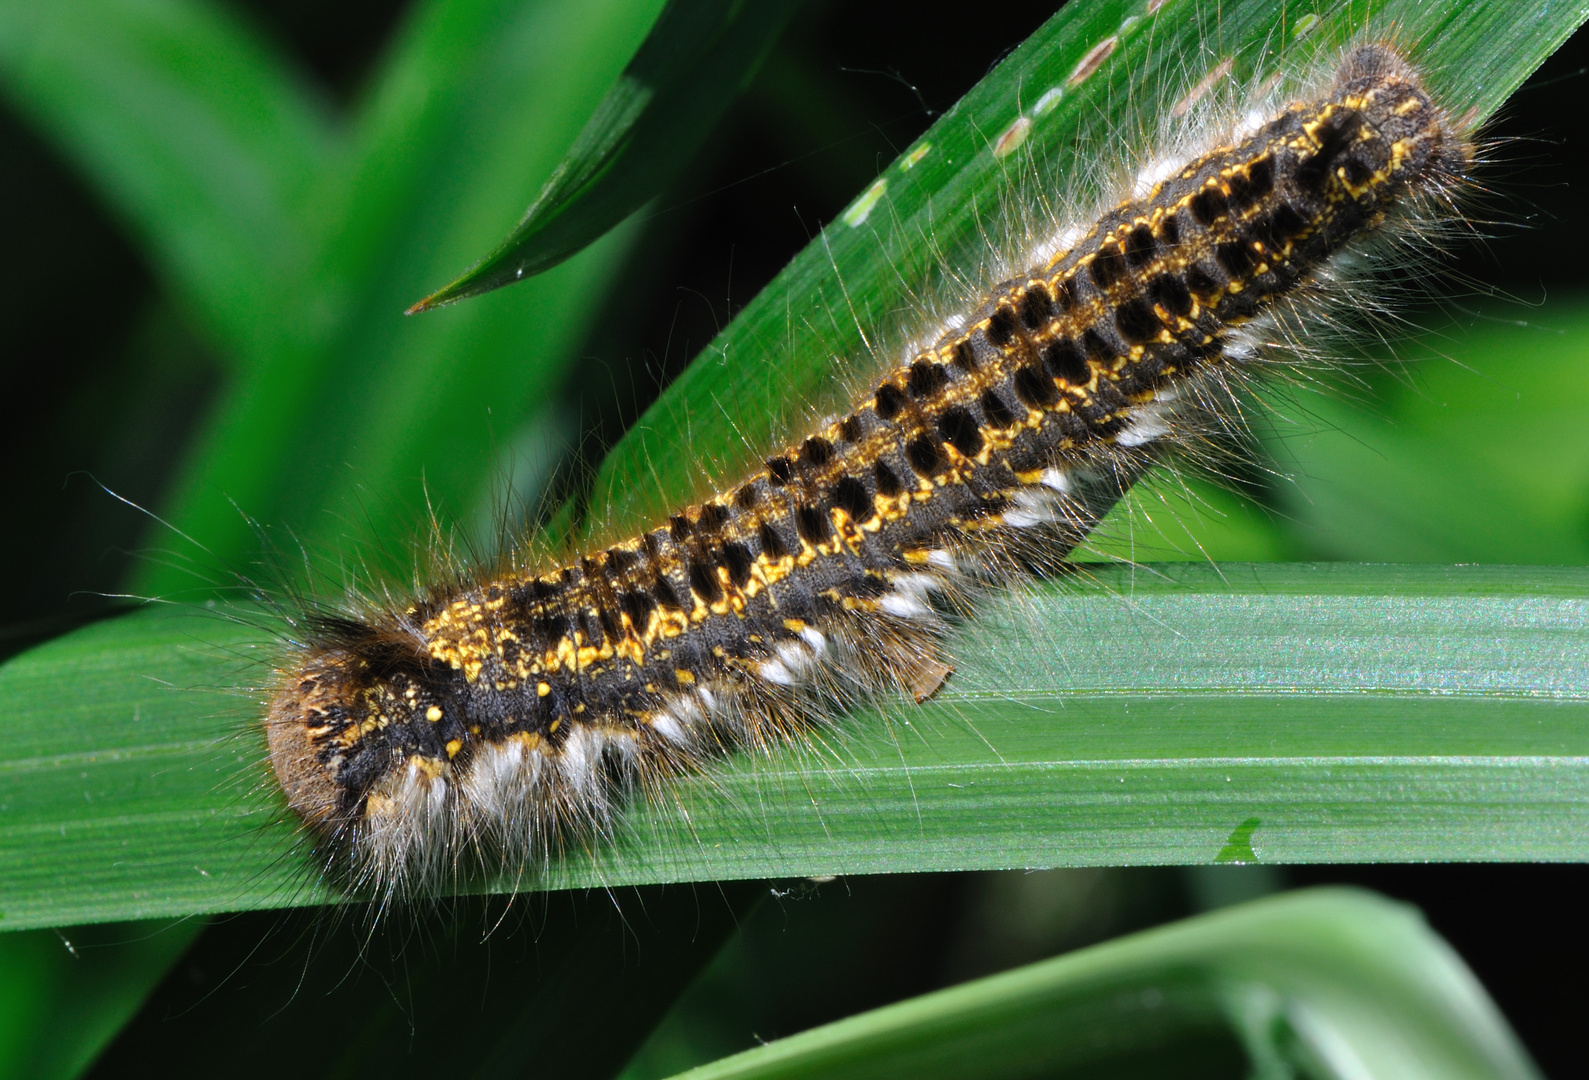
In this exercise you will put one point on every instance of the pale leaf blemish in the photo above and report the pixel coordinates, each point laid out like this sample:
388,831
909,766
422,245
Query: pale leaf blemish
1093,60
1045,104
1202,87
912,159
856,215
1304,26
1013,136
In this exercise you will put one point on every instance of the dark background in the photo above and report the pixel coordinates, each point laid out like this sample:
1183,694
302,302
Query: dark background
97,385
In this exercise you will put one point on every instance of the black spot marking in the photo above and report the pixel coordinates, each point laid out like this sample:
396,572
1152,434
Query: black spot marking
745,497
1285,224
887,483
638,606
959,429
925,379
552,628
925,456
889,401
1097,347
1235,258
680,528
1334,135
1140,245
738,560
619,560
1357,172
1137,322
1035,389
649,542
996,409
1108,265
1248,186
1064,361
1170,231
1171,293
1209,205
779,471
772,545
816,452
812,523
1202,284
610,625
963,356
1037,307
850,429
1001,326
851,496
703,581
713,517
1065,293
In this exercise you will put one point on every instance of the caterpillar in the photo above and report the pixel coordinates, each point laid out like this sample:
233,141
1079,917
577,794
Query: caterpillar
492,723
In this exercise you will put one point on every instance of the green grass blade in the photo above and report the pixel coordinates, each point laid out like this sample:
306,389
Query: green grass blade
1324,984
934,205
1281,713
362,414
692,66
201,139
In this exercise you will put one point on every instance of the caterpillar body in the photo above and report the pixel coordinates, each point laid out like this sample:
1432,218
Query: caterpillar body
490,724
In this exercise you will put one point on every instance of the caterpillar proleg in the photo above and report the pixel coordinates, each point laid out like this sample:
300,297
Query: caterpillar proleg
489,724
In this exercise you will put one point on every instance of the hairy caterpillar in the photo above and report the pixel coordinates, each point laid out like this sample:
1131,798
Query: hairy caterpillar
491,723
